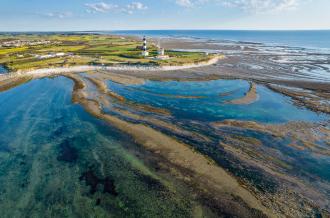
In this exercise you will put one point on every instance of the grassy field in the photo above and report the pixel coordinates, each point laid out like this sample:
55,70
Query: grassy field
85,49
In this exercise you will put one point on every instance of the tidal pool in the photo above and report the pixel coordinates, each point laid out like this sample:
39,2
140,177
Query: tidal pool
194,105
210,101
3,70
58,161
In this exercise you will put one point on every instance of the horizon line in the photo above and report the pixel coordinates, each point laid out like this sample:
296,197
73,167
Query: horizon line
117,30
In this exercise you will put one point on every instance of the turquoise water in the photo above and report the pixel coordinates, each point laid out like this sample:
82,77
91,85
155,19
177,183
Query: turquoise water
213,102
58,161
208,101
195,104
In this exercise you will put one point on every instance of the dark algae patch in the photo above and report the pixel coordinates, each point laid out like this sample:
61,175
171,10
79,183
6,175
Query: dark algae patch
93,181
68,153
109,186
152,184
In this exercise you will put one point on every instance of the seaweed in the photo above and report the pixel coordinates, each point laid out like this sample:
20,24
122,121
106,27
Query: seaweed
93,181
68,153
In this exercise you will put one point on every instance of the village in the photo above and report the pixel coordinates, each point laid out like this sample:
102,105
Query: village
19,43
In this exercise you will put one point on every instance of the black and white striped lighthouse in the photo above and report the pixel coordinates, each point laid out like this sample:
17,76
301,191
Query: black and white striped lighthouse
144,48
144,44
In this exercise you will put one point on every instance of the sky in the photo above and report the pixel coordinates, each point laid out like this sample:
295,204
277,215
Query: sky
80,15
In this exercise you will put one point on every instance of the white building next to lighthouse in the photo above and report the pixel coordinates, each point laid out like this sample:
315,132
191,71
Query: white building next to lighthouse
161,53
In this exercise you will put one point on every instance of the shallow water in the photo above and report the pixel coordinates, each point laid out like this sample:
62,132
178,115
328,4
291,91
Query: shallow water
321,73
3,70
194,105
57,160
208,101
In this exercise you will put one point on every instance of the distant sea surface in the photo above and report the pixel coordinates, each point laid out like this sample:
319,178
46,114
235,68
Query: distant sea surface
316,39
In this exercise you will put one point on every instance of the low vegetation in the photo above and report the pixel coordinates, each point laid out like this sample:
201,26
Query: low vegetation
84,49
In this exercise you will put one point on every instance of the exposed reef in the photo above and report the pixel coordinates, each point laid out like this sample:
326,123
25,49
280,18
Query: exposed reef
179,154
315,101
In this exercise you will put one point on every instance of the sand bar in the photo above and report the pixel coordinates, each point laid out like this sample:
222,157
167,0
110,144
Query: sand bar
249,97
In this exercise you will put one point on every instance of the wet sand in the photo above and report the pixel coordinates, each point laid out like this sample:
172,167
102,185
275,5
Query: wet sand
9,83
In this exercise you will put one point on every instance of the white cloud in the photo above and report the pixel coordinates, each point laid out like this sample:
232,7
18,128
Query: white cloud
103,7
60,15
100,7
137,6
261,5
256,6
185,3
134,6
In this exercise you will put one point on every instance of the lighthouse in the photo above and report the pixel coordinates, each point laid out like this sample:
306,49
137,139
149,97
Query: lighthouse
145,52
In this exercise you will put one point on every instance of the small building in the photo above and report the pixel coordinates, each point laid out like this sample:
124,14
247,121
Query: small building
161,52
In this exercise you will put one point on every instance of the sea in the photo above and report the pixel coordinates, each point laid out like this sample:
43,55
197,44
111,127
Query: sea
313,39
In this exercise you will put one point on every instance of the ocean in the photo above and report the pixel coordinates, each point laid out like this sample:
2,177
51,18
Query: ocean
315,39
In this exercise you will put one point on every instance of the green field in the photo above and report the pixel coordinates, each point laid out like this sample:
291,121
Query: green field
85,49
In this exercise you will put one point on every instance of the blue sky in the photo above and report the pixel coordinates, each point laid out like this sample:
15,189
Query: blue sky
58,15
